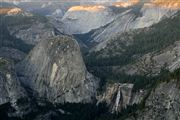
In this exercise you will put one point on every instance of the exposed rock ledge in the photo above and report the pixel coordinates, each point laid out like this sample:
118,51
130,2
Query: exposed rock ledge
118,96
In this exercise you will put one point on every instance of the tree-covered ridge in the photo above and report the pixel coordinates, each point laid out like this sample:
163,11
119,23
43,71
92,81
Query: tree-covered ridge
128,47
155,38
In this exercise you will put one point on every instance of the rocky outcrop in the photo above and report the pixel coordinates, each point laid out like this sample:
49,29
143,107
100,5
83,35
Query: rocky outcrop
173,4
28,27
10,11
82,19
11,90
10,86
54,71
162,104
117,96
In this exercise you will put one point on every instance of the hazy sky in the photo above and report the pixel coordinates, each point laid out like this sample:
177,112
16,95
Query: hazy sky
67,0
81,1
64,0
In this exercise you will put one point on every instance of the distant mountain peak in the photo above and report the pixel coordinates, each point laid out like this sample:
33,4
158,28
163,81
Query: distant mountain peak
92,8
10,10
171,4
126,3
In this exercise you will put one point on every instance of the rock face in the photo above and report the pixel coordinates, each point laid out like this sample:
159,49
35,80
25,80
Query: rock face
130,20
162,104
31,30
10,11
148,62
28,27
82,19
174,4
133,18
10,86
11,90
117,96
55,71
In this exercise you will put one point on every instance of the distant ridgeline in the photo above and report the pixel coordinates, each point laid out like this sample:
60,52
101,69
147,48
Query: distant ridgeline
17,19
156,38
8,40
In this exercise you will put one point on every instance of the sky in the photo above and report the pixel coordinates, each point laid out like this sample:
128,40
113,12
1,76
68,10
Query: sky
67,0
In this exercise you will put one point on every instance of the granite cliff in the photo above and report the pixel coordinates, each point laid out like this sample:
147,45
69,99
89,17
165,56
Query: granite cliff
54,70
11,90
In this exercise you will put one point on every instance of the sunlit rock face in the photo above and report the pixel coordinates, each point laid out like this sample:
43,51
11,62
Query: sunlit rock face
55,71
129,20
126,3
10,11
14,11
82,19
139,16
89,8
151,14
172,4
